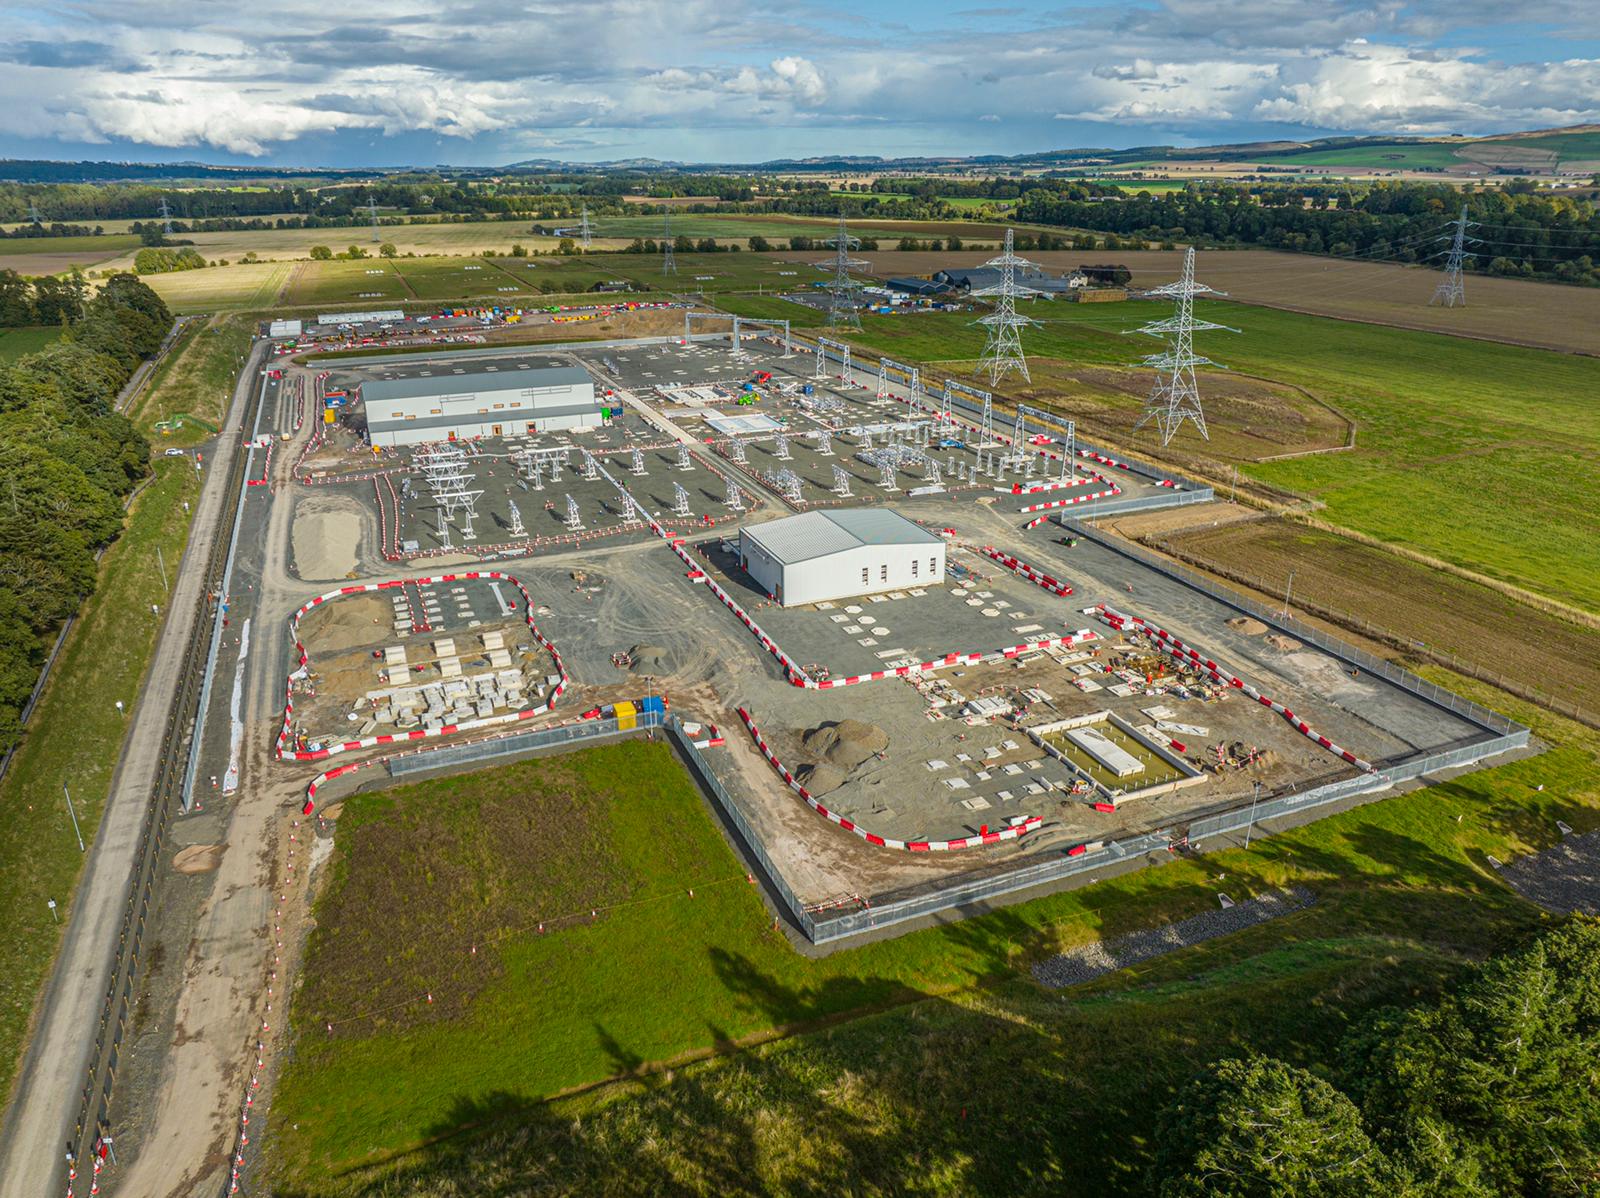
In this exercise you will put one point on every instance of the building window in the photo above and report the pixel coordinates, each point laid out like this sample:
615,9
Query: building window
933,566
883,573
436,411
410,416
499,406
914,564
864,575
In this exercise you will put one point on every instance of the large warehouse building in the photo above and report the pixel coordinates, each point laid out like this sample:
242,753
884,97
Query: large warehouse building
414,404
817,556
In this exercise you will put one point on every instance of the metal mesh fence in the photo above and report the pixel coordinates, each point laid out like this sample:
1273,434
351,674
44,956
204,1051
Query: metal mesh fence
1490,721
517,743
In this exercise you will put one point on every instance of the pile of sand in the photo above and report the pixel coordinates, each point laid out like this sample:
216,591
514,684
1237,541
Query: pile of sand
820,779
1287,643
846,744
1247,626
325,543
198,859
649,659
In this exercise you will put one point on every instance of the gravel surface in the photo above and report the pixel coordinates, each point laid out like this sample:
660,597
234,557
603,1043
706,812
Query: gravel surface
1563,878
1089,962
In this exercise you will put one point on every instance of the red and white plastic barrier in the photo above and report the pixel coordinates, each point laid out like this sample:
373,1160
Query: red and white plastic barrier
1108,491
266,469
1192,656
1037,577
285,752
1014,832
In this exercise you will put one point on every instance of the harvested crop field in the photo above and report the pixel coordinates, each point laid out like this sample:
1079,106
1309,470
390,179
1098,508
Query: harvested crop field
1548,315
1429,607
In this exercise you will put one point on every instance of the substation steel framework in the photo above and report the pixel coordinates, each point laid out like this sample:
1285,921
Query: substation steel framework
823,345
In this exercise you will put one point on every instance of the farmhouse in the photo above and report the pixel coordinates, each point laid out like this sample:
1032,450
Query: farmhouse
822,555
412,406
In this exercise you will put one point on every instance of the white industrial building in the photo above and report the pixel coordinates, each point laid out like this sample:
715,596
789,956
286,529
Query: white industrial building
823,555
415,405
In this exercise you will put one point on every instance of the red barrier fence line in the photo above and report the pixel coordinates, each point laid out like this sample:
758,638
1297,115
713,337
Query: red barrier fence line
1037,577
1016,831
285,732
1191,656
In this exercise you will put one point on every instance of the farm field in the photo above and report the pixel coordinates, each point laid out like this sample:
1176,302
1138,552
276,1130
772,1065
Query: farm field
1403,896
771,307
1428,456
240,285
1428,607
455,238
14,343
56,255
1548,315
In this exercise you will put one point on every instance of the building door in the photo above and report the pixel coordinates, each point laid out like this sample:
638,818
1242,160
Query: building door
497,430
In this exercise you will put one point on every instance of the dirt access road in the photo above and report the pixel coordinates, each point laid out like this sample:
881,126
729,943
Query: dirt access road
45,1101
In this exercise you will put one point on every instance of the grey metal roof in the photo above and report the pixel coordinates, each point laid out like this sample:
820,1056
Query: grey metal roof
518,416
418,386
812,535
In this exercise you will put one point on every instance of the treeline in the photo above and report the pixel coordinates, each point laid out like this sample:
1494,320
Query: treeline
153,260
1540,236
42,299
69,460
1493,1091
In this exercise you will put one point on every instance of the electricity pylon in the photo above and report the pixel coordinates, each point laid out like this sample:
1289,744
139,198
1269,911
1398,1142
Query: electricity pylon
842,310
1176,394
585,233
669,263
1002,352
1451,292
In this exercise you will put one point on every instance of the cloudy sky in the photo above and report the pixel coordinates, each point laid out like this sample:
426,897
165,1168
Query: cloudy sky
298,82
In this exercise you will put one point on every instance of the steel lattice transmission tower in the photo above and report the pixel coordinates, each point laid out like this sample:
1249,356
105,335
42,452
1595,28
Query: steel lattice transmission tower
33,214
842,310
585,232
1176,394
669,263
372,211
1002,352
166,215
1451,292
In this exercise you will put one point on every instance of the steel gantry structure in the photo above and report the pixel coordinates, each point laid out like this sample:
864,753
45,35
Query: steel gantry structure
823,345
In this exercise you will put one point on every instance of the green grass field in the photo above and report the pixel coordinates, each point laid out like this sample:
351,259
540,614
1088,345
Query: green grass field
75,738
14,343
770,307
1478,453
195,379
946,1015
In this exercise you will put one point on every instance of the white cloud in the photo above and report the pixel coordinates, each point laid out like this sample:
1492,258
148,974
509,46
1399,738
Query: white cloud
169,73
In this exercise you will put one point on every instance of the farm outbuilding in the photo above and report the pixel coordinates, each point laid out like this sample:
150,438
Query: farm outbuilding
823,555
413,406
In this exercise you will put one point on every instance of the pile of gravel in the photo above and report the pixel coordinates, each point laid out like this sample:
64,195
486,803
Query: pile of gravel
1563,878
1105,956
1247,626
846,744
820,779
